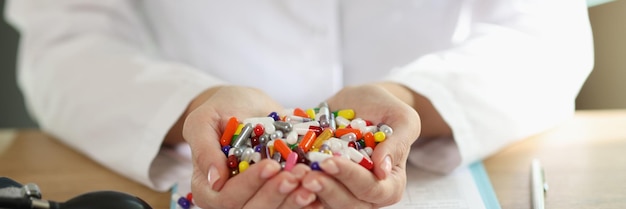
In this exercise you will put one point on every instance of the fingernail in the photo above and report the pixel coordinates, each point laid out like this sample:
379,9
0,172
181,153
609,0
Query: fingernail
304,201
313,186
270,170
387,165
213,176
286,187
329,167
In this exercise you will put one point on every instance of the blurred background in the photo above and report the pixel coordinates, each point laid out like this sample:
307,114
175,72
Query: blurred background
603,89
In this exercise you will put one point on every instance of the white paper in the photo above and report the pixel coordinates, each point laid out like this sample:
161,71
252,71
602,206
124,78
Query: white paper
426,190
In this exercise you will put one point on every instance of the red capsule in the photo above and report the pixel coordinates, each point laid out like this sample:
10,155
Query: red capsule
232,162
254,141
258,129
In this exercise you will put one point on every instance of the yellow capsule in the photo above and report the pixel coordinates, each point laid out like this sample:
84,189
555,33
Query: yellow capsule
311,113
341,127
271,148
243,165
238,131
379,136
325,135
346,113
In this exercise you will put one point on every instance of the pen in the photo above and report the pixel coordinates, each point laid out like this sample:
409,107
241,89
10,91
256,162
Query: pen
538,185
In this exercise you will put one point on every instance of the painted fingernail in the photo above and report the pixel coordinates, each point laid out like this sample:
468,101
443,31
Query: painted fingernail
270,170
313,186
286,187
304,201
213,176
329,167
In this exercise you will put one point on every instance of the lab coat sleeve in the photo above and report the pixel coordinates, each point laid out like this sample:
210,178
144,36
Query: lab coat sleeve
91,79
514,70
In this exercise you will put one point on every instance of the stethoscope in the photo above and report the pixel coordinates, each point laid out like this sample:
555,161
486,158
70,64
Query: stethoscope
13,195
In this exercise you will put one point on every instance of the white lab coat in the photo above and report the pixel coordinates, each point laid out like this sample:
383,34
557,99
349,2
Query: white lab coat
110,77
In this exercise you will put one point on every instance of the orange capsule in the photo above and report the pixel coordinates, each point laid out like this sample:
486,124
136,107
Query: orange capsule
341,132
307,141
282,148
370,140
229,131
300,112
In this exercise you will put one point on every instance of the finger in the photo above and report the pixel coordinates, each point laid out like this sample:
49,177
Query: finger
392,154
299,198
275,191
241,188
363,184
331,192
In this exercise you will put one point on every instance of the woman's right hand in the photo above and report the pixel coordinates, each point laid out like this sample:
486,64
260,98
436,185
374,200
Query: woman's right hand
262,185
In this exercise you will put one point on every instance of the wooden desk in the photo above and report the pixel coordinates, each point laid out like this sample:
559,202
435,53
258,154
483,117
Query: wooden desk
584,162
62,173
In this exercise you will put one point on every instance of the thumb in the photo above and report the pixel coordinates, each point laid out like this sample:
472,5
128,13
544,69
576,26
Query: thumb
393,152
209,161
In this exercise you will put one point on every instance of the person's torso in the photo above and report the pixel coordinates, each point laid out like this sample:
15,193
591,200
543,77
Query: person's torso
300,52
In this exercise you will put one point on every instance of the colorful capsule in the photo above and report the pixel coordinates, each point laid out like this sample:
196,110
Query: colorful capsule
385,129
357,157
302,128
300,112
325,135
291,161
343,131
315,166
243,136
346,113
226,149
182,201
370,139
274,115
229,131
380,136
232,162
243,166
324,117
311,113
302,158
258,129
307,141
282,148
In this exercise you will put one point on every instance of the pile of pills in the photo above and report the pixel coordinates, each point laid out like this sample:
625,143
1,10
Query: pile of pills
301,136
298,136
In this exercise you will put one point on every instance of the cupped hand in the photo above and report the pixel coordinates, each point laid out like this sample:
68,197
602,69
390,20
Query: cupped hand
262,185
345,184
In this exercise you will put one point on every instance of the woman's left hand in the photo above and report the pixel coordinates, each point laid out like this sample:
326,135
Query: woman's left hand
345,184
